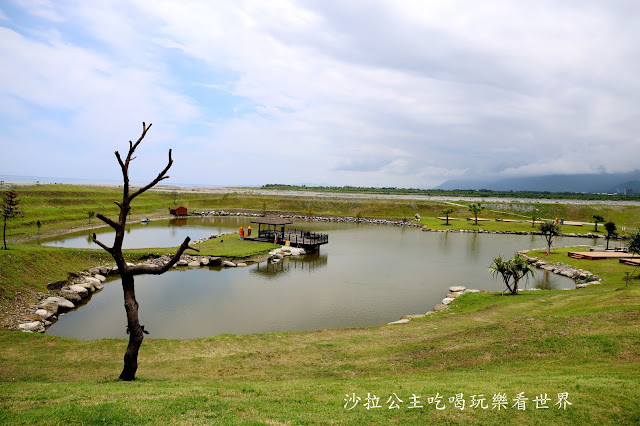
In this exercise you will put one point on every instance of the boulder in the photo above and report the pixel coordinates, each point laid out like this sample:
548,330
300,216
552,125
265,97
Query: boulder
414,316
441,307
100,278
87,285
50,304
98,287
417,217
204,261
70,295
182,262
447,300
44,314
241,264
103,270
454,294
456,288
80,290
229,264
94,271
64,304
193,264
400,321
471,290
582,285
35,326
215,261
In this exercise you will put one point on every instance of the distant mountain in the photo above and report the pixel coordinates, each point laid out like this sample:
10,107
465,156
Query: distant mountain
605,182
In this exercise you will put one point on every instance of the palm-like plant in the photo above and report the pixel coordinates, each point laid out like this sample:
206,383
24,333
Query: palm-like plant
610,227
511,269
549,229
476,209
597,218
634,246
447,212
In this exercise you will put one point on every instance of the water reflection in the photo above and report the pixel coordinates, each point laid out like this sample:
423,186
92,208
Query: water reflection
308,263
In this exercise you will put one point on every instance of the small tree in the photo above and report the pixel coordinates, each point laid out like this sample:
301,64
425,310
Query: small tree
634,246
549,229
10,210
39,225
597,218
533,220
447,212
476,209
91,215
127,272
512,269
610,227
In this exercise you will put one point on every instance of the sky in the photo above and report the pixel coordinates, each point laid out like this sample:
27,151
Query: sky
360,93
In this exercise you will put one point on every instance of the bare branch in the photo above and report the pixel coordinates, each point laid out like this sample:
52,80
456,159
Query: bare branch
111,223
157,270
161,176
119,204
104,246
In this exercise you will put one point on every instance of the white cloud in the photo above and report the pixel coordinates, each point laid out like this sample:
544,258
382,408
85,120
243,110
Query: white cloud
351,93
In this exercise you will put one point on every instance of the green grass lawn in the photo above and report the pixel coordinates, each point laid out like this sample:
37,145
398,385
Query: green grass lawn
583,342
61,207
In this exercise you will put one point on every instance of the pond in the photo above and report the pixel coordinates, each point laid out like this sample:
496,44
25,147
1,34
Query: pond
367,275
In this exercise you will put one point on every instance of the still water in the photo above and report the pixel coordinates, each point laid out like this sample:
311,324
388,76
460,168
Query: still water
366,275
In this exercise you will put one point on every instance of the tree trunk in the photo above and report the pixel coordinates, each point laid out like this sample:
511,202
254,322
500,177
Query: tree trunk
135,331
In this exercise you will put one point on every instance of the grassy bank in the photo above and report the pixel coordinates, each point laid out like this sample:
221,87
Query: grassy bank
583,342
61,207
29,267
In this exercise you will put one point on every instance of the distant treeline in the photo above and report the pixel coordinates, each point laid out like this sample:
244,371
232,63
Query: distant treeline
479,193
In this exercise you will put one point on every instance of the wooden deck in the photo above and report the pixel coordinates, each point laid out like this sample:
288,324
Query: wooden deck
296,237
567,222
451,218
632,262
599,255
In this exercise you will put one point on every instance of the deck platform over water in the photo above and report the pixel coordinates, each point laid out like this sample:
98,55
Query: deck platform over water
599,255
276,233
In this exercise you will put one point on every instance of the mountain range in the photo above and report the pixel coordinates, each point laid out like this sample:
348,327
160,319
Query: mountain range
610,183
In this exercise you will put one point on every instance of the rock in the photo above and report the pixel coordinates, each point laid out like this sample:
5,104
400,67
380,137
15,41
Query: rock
103,270
229,264
182,262
81,291
400,321
414,316
94,271
44,314
447,300
582,285
594,282
215,261
70,295
92,280
90,287
276,260
193,264
64,304
471,291
454,295
417,217
98,287
100,278
456,288
241,264
429,313
35,326
204,261
50,304
441,307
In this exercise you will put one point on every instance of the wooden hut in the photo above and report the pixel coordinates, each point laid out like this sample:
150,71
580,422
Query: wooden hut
178,211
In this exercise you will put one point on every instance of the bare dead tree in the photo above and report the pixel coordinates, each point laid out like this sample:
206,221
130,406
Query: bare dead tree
136,332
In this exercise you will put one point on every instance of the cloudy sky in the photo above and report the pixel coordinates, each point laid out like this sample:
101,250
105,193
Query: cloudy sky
373,93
